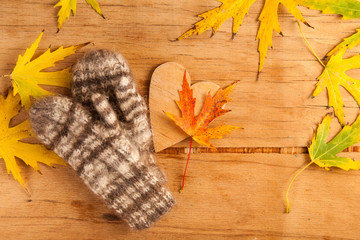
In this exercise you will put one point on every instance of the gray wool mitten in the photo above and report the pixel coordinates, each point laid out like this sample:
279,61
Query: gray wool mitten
107,73
103,156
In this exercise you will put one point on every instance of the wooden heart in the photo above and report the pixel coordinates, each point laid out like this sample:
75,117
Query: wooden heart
165,84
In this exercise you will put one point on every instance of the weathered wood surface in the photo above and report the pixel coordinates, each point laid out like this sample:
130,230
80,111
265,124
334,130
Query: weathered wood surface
274,111
227,195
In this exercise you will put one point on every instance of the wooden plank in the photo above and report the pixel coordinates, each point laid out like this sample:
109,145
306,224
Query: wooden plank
275,111
226,196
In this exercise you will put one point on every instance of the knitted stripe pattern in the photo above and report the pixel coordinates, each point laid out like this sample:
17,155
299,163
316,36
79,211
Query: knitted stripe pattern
103,156
107,74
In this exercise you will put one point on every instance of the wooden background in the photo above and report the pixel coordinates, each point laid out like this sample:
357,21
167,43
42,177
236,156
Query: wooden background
237,192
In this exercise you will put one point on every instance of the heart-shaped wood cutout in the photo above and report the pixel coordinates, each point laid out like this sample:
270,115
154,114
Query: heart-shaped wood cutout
165,84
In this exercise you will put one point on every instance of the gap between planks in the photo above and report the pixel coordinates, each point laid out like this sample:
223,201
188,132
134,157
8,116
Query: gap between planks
280,150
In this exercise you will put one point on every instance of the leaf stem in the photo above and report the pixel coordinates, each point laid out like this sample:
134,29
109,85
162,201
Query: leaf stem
311,49
4,75
187,162
287,192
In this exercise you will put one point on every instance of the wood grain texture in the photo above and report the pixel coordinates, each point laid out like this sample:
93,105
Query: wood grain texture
274,111
227,195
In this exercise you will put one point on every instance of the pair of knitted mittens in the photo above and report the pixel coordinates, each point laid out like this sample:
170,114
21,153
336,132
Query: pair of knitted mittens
104,133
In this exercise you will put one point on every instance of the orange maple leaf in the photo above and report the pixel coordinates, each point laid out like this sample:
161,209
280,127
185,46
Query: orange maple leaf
197,127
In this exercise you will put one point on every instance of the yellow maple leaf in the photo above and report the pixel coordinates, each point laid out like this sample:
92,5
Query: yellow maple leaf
68,6
269,22
28,74
334,76
348,43
11,146
237,9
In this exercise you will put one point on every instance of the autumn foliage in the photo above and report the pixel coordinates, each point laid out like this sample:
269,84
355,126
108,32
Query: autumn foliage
269,22
26,79
197,126
69,6
11,145
28,73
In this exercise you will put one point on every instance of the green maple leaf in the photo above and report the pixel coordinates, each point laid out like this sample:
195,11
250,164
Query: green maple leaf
349,9
325,154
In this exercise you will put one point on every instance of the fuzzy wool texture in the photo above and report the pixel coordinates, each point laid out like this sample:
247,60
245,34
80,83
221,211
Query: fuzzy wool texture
105,75
103,157
104,133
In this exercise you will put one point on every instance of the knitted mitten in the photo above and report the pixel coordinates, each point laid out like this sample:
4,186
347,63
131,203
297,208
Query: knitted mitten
107,73
103,157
